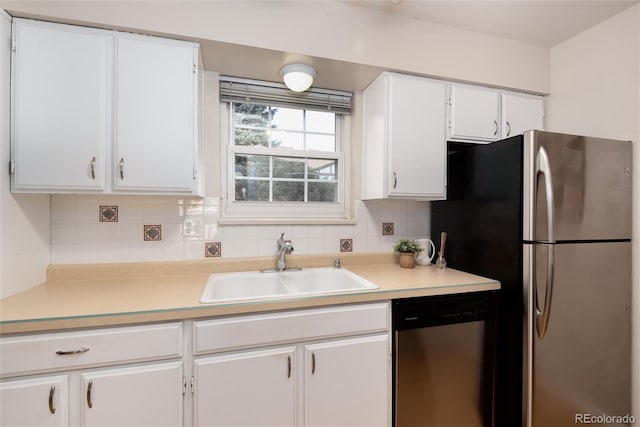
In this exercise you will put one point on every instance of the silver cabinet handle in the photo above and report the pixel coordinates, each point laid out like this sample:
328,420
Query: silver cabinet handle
121,167
52,391
89,401
542,316
313,363
76,351
288,366
508,128
395,180
93,168
495,124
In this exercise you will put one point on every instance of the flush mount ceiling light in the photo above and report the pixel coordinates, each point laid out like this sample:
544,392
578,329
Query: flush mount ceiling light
297,77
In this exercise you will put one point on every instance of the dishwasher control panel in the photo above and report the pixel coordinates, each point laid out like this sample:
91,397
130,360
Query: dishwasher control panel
440,310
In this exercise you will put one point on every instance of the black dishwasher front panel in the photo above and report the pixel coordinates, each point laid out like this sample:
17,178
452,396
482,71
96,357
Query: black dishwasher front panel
439,310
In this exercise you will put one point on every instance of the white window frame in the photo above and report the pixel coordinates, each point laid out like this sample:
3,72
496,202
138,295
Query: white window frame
232,212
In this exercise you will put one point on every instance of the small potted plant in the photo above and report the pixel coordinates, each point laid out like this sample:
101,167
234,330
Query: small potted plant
407,249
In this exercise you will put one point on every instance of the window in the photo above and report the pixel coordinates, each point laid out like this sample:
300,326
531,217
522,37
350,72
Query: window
284,155
284,162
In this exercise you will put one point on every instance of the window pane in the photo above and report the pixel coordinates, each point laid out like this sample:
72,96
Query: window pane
287,140
251,137
287,118
323,192
252,166
318,121
322,169
288,191
321,142
252,190
251,115
287,167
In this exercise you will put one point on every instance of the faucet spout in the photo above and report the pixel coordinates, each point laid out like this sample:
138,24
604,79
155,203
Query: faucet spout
284,248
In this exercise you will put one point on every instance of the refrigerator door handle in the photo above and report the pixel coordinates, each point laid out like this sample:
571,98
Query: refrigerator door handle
542,316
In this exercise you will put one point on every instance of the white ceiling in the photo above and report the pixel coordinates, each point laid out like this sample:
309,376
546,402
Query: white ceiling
545,23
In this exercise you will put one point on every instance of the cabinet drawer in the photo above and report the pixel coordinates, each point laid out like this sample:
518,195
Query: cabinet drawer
277,328
71,350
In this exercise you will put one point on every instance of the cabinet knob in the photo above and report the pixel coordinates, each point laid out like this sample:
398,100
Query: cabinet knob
52,392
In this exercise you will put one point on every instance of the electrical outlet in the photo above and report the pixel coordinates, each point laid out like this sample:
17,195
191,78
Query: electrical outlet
191,227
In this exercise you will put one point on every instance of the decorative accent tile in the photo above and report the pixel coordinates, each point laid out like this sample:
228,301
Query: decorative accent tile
213,249
387,228
346,245
152,233
108,214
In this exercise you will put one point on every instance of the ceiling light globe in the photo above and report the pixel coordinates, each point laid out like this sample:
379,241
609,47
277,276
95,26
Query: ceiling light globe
298,77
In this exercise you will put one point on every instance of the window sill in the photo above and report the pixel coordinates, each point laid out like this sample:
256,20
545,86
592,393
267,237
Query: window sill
287,221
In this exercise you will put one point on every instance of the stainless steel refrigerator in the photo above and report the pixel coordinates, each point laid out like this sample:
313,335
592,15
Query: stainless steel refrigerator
549,215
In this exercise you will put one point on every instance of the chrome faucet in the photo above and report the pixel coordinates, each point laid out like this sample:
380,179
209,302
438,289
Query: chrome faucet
284,248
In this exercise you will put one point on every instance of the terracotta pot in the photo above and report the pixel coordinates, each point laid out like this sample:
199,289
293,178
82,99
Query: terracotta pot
407,260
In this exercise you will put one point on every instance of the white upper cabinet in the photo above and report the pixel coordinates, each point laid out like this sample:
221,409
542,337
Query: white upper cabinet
479,114
156,91
520,113
474,113
60,87
404,146
99,111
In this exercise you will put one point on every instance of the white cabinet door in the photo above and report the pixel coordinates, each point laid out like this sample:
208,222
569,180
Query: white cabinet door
156,87
474,113
148,395
252,388
416,137
39,402
347,382
404,146
521,113
59,107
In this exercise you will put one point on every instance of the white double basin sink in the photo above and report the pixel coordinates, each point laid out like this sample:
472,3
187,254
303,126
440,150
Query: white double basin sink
256,285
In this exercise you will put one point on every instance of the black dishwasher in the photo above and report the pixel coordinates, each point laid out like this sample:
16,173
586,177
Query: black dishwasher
444,360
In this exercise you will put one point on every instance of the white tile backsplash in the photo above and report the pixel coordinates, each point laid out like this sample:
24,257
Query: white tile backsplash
78,237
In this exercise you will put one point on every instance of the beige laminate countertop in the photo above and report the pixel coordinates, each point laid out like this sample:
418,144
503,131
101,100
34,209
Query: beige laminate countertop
115,294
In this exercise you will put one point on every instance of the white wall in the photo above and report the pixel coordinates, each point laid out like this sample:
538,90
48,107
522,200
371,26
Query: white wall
24,219
595,90
325,29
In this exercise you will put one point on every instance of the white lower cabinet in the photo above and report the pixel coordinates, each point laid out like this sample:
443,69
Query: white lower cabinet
251,388
313,367
147,395
319,369
126,376
346,382
35,402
